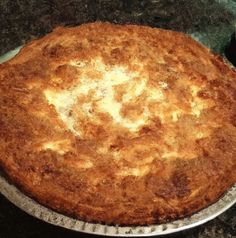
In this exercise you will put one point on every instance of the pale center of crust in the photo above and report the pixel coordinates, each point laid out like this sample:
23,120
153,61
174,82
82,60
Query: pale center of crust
101,96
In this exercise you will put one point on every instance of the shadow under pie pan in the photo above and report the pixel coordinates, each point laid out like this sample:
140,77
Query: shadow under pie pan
35,209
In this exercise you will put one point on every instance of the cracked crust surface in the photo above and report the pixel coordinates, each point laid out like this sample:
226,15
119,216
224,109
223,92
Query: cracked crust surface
118,124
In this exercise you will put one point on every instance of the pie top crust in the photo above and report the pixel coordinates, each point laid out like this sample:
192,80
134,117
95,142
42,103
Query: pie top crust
118,124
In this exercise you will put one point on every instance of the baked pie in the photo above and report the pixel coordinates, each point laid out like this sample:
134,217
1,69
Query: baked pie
118,124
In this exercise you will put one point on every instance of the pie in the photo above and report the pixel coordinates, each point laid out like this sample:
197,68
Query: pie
118,124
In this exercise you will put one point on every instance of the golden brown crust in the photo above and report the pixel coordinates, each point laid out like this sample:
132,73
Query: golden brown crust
152,139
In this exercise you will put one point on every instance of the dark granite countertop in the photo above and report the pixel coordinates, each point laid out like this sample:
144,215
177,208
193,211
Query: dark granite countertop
209,21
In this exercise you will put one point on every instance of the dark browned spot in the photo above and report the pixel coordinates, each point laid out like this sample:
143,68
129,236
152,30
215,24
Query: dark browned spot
181,183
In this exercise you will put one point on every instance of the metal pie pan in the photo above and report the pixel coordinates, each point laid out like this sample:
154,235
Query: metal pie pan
33,208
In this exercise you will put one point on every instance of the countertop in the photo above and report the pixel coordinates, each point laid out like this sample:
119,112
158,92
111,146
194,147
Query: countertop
210,22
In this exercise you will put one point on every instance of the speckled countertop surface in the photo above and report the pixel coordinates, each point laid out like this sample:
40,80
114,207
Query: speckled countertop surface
209,21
